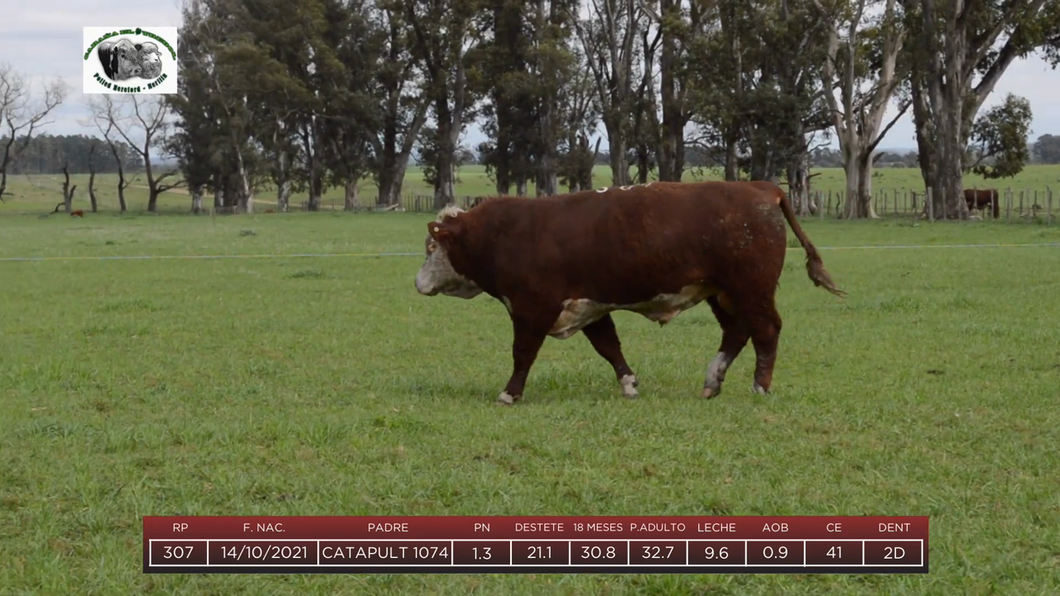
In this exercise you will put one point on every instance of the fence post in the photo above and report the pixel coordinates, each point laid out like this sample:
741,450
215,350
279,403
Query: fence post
1021,203
930,204
1008,204
1048,206
820,205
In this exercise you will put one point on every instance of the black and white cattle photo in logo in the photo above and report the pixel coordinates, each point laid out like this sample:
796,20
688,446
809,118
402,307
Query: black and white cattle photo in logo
130,60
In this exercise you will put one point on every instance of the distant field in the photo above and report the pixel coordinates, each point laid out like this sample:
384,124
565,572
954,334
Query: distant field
38,193
327,386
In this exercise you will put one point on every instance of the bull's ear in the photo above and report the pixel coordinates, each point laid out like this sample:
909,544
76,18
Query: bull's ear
442,232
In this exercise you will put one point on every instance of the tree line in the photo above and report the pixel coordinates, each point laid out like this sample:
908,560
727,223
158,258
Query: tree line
306,95
80,154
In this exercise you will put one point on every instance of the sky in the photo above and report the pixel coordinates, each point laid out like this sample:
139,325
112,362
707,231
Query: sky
42,39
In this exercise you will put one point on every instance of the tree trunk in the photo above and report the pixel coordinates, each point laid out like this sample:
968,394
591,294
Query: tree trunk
865,206
152,199
92,190
246,198
851,200
394,161
618,158
283,196
283,183
732,164
121,188
351,202
315,183
218,190
391,179
196,199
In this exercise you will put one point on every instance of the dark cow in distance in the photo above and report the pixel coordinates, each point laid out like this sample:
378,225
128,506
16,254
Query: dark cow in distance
562,264
981,199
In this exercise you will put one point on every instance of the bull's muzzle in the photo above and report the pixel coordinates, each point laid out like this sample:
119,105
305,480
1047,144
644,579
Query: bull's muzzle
425,287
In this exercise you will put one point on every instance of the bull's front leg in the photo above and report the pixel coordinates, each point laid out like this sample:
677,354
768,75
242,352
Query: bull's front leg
530,332
604,337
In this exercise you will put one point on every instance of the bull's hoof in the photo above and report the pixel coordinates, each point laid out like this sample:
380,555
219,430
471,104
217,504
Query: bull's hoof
759,390
711,388
629,386
506,400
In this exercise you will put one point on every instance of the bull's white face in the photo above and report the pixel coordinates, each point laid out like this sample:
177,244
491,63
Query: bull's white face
437,275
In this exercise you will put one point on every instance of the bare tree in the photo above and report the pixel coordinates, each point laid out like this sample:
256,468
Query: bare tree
21,114
106,128
92,176
859,120
146,115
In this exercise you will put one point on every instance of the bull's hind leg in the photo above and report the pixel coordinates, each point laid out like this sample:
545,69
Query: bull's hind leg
604,337
765,325
734,336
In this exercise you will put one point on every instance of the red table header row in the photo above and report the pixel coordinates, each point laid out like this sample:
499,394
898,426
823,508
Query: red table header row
537,527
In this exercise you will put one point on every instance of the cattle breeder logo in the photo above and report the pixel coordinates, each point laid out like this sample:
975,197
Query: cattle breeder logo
130,60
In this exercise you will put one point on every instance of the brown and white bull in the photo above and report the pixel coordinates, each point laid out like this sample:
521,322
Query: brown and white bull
563,264
982,199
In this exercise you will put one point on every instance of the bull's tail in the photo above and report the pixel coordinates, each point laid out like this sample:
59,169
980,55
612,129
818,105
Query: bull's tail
814,265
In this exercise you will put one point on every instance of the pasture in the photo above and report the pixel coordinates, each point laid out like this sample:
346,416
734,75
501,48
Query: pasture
273,385
40,193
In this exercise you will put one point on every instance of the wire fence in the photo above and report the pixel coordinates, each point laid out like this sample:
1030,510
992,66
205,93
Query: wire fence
1007,204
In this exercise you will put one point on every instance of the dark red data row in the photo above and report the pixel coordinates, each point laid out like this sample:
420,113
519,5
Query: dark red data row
538,552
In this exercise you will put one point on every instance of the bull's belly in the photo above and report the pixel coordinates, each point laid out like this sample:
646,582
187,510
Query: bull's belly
579,313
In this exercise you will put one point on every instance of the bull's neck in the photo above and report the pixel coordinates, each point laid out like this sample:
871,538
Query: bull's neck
471,257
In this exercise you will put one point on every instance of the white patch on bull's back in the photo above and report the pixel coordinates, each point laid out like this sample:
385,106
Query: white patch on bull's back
578,313
607,188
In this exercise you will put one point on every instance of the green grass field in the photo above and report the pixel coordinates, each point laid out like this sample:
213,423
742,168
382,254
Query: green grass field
328,386
41,193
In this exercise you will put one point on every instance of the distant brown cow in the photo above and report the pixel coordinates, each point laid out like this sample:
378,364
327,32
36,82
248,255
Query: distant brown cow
78,213
981,199
562,264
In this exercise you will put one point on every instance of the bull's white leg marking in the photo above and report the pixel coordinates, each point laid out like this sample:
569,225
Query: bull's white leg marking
758,389
504,399
629,386
715,375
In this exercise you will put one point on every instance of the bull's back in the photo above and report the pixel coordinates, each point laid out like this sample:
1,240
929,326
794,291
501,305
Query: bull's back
625,245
